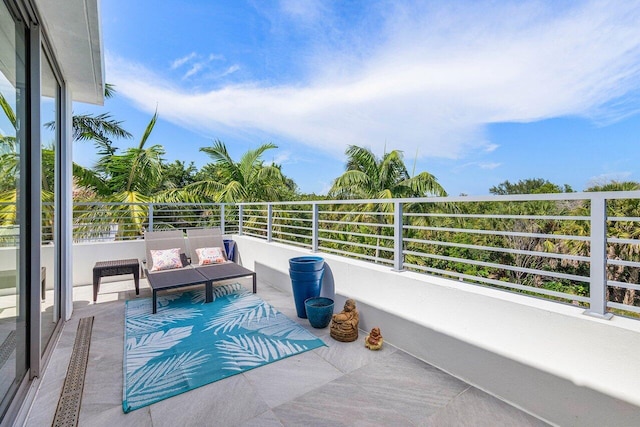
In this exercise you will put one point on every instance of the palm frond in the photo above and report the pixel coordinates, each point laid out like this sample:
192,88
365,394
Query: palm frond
8,111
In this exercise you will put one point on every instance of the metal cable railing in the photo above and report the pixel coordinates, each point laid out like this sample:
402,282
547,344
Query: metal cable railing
577,248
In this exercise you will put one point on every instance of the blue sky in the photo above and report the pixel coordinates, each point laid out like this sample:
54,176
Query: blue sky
474,92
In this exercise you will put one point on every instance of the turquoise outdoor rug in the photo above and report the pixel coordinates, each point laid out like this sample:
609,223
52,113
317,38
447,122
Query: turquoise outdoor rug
188,343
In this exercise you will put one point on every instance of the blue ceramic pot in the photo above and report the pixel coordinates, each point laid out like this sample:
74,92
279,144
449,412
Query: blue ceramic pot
319,311
305,285
306,263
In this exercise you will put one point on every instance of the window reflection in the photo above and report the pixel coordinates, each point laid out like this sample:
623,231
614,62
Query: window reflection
49,142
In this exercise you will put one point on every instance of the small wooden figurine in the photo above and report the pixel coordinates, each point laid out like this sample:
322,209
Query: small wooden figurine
374,340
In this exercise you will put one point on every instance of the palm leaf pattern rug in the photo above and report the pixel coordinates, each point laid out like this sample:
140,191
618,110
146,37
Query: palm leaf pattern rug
188,343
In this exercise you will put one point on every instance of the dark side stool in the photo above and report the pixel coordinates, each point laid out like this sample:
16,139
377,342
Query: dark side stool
115,268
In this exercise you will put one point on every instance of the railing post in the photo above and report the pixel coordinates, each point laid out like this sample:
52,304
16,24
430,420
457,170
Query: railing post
598,259
150,216
269,221
398,257
222,224
240,219
315,214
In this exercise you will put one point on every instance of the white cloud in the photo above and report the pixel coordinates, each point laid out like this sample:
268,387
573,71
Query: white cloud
481,165
283,157
433,84
195,68
606,178
489,166
181,61
232,69
490,148
303,10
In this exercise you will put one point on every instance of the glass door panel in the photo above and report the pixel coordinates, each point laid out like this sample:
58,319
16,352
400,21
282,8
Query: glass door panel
49,287
13,127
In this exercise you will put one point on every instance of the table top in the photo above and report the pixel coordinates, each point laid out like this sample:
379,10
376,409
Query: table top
117,263
227,270
175,278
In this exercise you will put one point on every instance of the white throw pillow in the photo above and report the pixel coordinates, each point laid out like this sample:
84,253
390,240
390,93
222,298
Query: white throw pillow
166,259
208,256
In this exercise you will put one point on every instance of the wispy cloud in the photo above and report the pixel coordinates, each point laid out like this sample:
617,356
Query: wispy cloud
440,76
232,69
489,166
193,70
181,61
283,157
490,148
481,165
197,63
606,178
303,10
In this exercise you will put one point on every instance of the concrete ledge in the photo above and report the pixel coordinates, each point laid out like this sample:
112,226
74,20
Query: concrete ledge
546,358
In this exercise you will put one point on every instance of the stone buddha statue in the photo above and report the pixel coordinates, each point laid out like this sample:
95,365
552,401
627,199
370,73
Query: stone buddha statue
344,325
374,340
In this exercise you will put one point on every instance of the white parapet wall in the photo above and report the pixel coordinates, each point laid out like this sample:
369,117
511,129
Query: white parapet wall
546,358
85,255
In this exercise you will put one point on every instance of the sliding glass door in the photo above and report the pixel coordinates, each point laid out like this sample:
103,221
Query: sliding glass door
49,283
13,131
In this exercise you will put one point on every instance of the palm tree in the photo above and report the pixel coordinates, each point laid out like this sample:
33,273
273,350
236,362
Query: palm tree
132,177
128,178
9,163
370,177
248,180
99,128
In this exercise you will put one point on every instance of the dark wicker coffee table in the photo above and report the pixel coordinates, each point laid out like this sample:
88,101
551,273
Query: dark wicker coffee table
115,268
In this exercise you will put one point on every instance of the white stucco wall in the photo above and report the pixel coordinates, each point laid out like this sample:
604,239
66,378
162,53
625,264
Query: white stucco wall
544,357
85,255
547,358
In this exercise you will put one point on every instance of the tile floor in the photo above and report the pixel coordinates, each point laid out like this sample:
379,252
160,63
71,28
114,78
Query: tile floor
343,384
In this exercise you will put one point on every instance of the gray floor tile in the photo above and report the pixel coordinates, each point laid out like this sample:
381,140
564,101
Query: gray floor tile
475,408
413,388
339,403
289,378
104,377
228,402
266,419
349,356
111,416
42,412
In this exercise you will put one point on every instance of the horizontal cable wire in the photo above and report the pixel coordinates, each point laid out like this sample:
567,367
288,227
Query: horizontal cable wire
502,250
498,233
502,266
500,283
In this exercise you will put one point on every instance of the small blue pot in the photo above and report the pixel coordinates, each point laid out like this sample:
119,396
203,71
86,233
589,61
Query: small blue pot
319,311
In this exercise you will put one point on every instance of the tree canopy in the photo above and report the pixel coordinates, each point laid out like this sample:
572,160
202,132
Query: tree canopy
529,186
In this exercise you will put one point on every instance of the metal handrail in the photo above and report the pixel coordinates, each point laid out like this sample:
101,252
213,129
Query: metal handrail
508,245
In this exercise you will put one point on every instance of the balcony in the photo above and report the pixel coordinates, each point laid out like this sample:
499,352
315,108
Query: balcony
342,384
463,344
